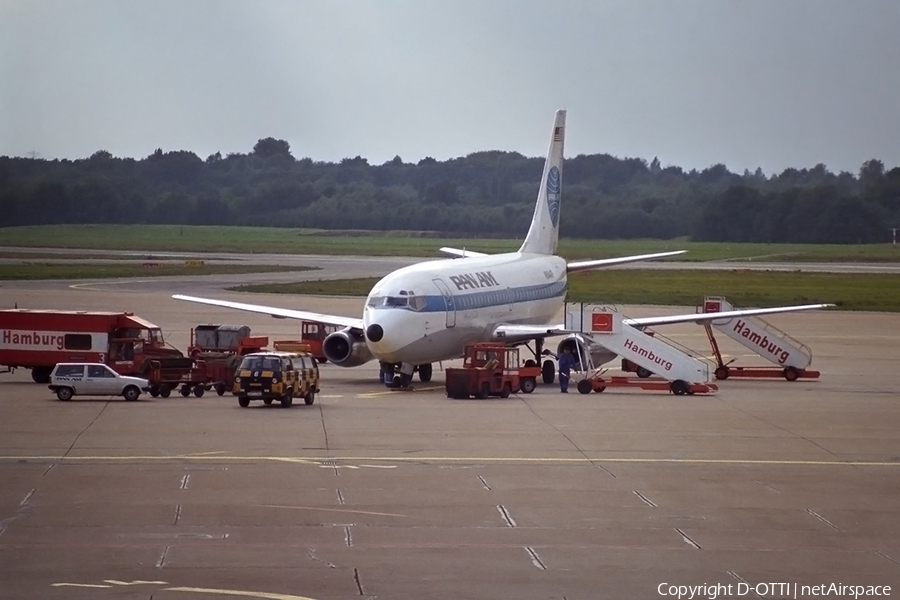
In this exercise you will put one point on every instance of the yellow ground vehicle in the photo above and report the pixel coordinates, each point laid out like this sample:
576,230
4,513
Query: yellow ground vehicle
281,376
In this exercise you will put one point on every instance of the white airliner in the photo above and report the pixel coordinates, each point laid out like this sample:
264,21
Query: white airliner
428,312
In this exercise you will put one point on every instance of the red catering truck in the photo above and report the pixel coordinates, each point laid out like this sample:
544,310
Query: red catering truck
38,339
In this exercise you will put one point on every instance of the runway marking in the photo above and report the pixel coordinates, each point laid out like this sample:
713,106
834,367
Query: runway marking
110,583
484,483
823,519
646,500
184,481
535,559
340,510
467,459
398,391
510,522
27,498
162,558
687,539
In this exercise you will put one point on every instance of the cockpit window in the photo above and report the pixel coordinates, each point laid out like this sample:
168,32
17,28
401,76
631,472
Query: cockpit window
404,299
396,301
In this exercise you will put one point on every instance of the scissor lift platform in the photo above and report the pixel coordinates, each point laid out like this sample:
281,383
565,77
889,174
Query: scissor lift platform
791,357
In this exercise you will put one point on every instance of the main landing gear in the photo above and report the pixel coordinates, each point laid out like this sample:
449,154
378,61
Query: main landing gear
400,375
548,367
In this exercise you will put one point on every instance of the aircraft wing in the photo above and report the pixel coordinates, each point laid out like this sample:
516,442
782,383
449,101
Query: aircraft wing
279,313
715,316
584,265
461,253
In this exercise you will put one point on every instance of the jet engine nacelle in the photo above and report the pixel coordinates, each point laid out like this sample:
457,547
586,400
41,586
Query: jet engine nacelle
346,348
579,345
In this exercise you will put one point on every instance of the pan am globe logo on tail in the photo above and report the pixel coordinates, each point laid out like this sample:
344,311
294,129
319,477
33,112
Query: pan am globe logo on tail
553,194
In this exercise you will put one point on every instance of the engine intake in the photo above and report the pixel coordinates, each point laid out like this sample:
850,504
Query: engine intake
346,348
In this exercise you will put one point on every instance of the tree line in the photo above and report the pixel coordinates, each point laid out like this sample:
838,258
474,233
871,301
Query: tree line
484,193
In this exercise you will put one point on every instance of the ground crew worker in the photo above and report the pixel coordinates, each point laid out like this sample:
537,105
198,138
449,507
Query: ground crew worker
566,362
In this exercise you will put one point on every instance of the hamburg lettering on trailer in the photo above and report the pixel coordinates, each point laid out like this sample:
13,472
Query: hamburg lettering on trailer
31,340
762,341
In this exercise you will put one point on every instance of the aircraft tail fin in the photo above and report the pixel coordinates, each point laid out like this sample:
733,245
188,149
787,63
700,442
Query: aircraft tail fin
543,235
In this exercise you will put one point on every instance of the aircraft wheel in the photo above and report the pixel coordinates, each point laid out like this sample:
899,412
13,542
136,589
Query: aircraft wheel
425,372
585,386
548,372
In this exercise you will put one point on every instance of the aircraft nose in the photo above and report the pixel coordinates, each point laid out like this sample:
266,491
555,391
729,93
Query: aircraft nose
374,332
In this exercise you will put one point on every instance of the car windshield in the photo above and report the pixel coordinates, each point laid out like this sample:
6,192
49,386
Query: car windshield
261,363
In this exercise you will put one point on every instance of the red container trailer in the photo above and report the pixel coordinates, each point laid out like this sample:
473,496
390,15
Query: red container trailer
38,339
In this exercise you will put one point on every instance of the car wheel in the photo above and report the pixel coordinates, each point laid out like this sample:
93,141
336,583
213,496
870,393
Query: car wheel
287,401
585,386
267,401
528,384
220,389
185,391
165,391
198,390
64,394
309,398
154,391
131,393
243,401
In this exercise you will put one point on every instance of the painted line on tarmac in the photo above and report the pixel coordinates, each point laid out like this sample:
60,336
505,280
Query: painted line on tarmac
318,460
399,391
340,510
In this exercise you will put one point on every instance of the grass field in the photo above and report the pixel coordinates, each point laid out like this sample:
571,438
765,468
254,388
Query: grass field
104,271
401,243
873,292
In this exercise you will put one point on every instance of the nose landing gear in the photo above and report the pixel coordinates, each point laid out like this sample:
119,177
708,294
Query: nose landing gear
400,375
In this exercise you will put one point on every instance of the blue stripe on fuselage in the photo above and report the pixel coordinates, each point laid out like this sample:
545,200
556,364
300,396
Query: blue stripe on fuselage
492,297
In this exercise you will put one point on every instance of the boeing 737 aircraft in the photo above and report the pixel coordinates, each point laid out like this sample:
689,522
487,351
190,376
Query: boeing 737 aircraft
428,312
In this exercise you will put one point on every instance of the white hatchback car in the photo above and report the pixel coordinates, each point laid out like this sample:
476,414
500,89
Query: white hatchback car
93,379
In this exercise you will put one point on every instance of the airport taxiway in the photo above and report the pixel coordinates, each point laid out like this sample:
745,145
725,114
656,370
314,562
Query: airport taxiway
376,493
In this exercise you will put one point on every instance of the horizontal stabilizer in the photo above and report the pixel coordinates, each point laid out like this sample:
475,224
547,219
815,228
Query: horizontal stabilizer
715,316
279,313
585,265
461,253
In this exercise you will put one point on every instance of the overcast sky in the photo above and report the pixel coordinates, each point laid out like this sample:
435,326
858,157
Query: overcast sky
770,84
